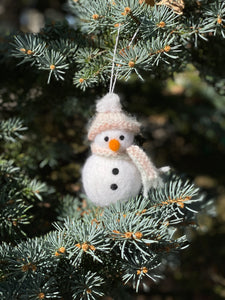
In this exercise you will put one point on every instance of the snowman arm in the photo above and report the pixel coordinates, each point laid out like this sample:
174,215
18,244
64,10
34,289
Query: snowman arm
149,173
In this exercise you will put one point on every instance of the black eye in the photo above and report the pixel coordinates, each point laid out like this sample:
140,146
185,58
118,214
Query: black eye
122,137
106,138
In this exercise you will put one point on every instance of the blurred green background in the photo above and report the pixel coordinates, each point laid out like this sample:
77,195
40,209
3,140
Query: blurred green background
183,126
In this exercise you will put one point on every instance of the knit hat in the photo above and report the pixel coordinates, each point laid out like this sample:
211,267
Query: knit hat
111,116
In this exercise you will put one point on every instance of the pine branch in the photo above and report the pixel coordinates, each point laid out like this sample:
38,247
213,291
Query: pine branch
18,194
130,240
163,32
11,130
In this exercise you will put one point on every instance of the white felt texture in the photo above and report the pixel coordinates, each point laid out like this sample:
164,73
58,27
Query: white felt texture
98,178
109,103
115,134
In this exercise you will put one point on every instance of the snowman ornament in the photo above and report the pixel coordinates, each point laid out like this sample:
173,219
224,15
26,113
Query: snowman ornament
117,170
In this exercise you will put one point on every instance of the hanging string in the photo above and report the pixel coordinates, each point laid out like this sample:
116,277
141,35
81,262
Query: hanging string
134,36
111,88
115,77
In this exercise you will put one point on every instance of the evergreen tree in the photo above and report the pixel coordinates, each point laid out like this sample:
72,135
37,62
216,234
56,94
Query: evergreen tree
90,252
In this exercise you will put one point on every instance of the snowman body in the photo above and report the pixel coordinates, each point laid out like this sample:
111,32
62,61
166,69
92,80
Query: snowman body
107,180
117,169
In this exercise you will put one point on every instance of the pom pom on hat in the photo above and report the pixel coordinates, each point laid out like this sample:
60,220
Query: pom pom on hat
109,103
111,116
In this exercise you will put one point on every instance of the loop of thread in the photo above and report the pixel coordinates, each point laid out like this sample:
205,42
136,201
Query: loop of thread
112,84
111,87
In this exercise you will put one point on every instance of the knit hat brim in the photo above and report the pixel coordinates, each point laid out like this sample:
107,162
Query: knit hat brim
110,116
112,121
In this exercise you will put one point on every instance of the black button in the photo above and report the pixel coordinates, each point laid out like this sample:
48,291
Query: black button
115,171
114,186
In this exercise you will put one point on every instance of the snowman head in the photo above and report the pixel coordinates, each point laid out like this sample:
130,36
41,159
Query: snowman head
115,140
112,128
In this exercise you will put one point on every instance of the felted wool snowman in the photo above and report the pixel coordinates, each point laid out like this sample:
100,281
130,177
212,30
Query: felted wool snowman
117,169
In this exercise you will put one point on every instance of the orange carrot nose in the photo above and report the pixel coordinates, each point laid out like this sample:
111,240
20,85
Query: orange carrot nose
114,145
